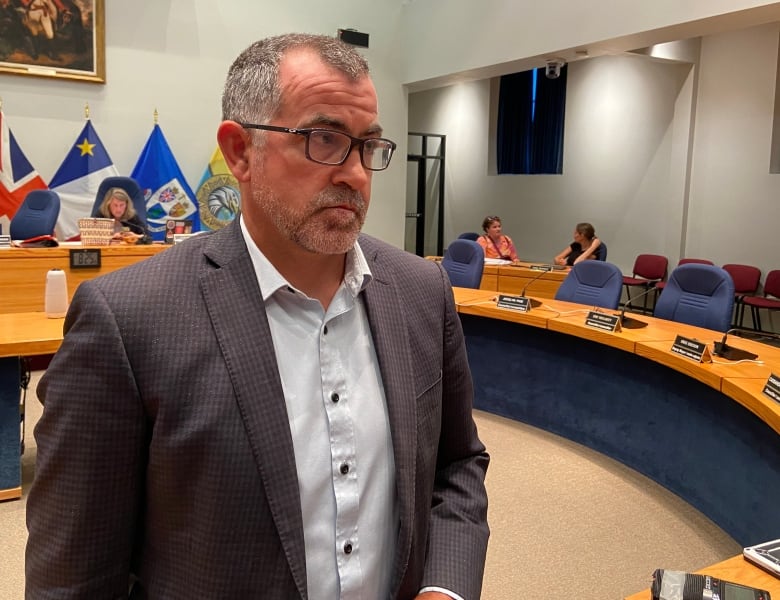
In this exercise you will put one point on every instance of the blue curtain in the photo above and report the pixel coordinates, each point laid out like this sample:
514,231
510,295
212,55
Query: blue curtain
529,134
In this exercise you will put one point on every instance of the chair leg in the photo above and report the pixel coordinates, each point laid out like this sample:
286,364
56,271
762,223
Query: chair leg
756,318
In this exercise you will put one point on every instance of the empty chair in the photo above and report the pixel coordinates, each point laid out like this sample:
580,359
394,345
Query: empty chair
659,286
469,235
756,303
36,216
697,294
592,282
129,185
464,260
746,279
648,270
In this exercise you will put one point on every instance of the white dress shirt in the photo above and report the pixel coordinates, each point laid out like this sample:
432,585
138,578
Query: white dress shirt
340,431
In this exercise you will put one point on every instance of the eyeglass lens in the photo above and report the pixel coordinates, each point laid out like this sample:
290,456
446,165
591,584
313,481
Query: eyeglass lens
332,147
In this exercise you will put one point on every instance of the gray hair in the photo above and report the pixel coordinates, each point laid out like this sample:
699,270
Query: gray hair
252,93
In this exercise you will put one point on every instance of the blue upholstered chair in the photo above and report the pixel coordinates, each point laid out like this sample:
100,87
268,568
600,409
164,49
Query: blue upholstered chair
697,294
464,261
129,185
36,216
592,282
469,235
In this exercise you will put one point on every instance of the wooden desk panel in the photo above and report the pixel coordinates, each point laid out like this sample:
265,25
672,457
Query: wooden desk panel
28,334
23,271
749,393
736,570
513,279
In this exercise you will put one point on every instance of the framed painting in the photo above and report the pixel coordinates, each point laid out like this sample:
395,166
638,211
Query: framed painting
53,38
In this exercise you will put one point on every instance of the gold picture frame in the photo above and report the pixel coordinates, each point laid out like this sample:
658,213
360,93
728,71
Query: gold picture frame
64,39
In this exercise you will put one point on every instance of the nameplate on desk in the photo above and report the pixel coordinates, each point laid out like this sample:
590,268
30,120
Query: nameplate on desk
547,268
84,258
772,387
519,303
690,348
603,321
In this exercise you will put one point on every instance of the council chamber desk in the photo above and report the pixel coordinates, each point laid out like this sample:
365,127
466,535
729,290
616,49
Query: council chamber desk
21,334
705,431
23,271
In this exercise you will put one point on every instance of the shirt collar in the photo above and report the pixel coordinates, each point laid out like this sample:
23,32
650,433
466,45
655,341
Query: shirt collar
357,274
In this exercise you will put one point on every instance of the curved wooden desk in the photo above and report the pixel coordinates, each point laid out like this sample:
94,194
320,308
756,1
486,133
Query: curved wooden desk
513,279
23,271
703,430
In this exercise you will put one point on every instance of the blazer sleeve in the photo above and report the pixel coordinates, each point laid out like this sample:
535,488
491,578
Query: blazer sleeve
83,508
458,535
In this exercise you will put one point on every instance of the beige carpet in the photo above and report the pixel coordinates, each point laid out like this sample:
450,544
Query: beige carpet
566,522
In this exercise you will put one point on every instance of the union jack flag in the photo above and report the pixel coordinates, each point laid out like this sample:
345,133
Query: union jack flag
17,176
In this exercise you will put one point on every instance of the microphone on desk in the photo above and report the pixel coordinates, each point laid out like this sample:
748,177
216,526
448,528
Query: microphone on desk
630,322
731,353
531,302
136,228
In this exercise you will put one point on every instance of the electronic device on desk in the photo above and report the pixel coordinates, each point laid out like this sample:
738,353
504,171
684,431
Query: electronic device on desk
731,353
5,241
766,556
545,267
678,585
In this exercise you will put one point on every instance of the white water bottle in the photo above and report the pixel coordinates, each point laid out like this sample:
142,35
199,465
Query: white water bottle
56,299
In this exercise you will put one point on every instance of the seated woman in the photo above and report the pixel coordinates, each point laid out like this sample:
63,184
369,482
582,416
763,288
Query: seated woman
494,243
118,205
585,246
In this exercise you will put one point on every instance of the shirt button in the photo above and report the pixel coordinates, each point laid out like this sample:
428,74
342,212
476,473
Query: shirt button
344,468
334,397
347,548
325,330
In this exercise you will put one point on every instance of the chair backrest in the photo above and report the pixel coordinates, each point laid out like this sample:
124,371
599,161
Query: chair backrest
129,185
592,282
36,216
697,294
772,284
469,235
698,261
601,251
746,278
464,260
650,266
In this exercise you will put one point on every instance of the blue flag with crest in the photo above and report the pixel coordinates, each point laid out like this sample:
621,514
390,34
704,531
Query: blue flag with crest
167,194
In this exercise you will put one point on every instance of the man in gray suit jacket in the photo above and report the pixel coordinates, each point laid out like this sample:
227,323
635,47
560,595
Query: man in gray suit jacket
280,409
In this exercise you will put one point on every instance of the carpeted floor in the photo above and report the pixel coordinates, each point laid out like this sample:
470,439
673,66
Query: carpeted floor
566,522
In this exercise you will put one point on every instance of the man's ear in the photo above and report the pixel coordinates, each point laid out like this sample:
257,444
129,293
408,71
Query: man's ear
236,145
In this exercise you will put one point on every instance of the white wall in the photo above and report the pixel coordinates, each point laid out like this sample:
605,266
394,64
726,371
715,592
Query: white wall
660,157
173,55
464,36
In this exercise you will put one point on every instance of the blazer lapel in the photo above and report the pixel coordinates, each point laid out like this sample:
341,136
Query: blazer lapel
234,303
389,330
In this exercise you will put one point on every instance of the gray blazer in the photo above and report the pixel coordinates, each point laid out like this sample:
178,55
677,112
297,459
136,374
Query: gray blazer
164,450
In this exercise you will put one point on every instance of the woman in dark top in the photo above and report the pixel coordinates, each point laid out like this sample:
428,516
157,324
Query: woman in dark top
117,205
585,246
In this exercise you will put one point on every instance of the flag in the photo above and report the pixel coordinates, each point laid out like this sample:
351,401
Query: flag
218,195
166,193
78,178
17,176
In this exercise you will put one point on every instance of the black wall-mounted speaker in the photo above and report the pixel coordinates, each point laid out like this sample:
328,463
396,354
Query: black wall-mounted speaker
356,38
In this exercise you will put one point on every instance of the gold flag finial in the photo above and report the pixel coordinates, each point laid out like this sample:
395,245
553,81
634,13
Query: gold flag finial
156,115
86,111
1,103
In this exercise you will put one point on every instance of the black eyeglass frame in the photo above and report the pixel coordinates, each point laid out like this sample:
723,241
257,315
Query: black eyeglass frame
360,142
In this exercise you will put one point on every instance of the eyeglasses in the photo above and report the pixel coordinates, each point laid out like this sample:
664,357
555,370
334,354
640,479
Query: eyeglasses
329,147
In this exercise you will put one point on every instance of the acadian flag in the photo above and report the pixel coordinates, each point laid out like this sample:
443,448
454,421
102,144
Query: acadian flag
218,195
78,178
17,176
166,192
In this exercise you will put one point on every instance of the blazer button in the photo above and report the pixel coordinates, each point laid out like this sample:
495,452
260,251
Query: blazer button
344,468
347,548
334,397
